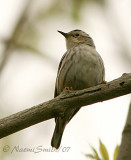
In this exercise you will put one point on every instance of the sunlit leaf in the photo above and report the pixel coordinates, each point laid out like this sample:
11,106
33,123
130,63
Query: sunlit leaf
91,156
103,151
116,152
95,152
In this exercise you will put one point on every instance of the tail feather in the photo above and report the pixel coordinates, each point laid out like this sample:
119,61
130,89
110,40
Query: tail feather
58,132
60,126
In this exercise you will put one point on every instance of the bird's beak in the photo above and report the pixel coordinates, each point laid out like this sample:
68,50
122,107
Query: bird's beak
64,34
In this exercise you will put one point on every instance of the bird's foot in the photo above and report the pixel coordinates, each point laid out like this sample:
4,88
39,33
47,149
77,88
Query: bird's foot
66,91
104,82
68,88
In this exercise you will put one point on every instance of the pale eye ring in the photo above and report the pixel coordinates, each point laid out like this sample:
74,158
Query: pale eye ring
77,35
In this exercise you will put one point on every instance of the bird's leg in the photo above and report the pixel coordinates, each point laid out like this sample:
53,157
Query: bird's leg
68,88
104,82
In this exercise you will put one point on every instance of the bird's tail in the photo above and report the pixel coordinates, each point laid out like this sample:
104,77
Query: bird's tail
58,132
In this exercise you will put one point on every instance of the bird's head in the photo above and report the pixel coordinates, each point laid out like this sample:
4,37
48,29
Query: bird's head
75,37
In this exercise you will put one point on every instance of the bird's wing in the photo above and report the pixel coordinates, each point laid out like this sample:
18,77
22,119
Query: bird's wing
56,93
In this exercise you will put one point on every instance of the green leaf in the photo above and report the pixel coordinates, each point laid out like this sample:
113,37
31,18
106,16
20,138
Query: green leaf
92,156
95,152
116,152
103,151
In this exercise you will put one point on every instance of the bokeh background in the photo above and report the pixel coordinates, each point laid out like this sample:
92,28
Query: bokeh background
30,51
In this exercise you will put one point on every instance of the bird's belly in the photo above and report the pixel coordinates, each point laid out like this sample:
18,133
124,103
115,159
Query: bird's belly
77,79
83,73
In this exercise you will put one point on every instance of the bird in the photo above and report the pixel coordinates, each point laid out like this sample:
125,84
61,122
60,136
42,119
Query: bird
80,67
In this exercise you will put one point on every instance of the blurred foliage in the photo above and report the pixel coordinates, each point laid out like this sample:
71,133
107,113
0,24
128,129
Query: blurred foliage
26,34
71,8
103,153
78,5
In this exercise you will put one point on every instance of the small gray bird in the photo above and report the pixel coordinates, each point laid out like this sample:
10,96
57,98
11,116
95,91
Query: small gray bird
80,67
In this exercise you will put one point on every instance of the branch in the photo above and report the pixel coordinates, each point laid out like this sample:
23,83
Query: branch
125,147
60,105
9,47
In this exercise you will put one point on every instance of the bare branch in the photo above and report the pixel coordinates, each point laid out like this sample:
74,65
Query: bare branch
125,148
61,104
9,47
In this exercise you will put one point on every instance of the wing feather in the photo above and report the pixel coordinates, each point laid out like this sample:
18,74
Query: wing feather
60,64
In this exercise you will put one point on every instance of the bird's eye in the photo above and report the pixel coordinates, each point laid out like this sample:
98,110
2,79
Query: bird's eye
77,34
